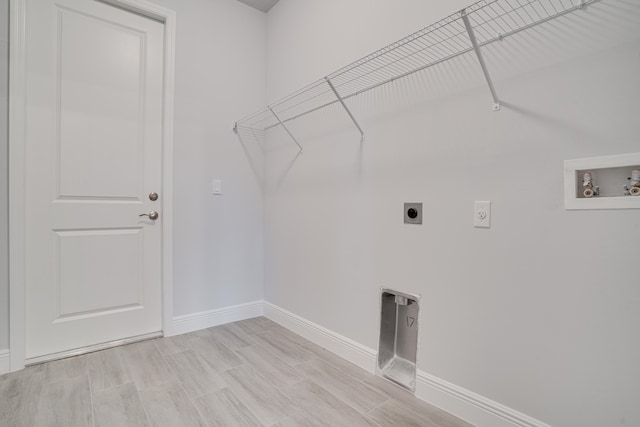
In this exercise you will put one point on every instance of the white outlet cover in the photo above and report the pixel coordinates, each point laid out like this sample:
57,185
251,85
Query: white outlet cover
482,214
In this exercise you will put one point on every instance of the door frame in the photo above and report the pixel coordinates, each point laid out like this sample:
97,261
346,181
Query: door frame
17,167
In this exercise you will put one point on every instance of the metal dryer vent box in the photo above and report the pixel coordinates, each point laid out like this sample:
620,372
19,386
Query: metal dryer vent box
413,213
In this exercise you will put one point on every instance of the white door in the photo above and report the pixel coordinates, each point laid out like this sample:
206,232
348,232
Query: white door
93,156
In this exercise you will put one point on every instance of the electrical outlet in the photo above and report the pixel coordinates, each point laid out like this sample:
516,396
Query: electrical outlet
413,213
482,214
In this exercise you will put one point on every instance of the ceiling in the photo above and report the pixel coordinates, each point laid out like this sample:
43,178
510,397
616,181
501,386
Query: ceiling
263,5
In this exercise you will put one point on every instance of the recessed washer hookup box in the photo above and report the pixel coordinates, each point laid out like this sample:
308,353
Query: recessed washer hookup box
398,347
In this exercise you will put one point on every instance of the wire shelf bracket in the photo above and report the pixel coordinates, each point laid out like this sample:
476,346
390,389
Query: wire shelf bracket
353,119
286,129
483,65
466,31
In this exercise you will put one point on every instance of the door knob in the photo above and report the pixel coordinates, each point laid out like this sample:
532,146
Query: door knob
152,215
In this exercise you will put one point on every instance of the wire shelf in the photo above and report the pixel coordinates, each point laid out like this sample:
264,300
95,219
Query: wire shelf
468,30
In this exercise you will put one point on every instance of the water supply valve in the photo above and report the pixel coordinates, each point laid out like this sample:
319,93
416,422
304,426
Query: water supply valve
590,190
633,188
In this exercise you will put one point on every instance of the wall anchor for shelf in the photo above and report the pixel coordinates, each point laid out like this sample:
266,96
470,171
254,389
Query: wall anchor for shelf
483,65
286,129
353,119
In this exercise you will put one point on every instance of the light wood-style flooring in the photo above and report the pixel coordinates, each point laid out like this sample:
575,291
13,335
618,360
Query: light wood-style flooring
248,373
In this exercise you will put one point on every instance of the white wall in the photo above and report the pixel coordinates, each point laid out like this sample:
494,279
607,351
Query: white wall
4,186
220,69
540,312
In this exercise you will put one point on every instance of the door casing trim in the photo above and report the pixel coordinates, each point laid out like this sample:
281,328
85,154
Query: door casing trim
17,167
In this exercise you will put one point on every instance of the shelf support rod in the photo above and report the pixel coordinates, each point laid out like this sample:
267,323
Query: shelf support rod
483,65
285,128
353,119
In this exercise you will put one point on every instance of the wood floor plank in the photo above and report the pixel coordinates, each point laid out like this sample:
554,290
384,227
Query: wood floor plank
291,352
66,402
199,333
262,398
395,413
67,368
106,369
341,364
29,370
20,397
321,408
293,337
231,335
223,408
272,367
251,326
194,373
288,334
215,353
119,406
266,323
169,405
397,394
388,388
356,394
172,345
145,364
299,419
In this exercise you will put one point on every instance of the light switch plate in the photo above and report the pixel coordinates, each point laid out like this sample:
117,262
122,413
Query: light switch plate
482,214
217,187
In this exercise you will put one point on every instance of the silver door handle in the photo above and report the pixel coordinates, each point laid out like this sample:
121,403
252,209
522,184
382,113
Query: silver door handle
152,215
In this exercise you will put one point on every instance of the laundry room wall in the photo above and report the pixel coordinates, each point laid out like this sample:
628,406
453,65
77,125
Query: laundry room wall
4,176
538,313
220,74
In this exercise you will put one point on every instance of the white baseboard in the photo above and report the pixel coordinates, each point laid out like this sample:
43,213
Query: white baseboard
465,404
476,409
207,319
344,347
5,359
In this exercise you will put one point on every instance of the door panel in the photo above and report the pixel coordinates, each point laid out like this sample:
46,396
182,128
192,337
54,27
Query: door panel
93,147
101,106
98,271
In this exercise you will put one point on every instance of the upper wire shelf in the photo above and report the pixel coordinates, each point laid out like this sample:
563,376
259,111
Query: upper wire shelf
468,30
